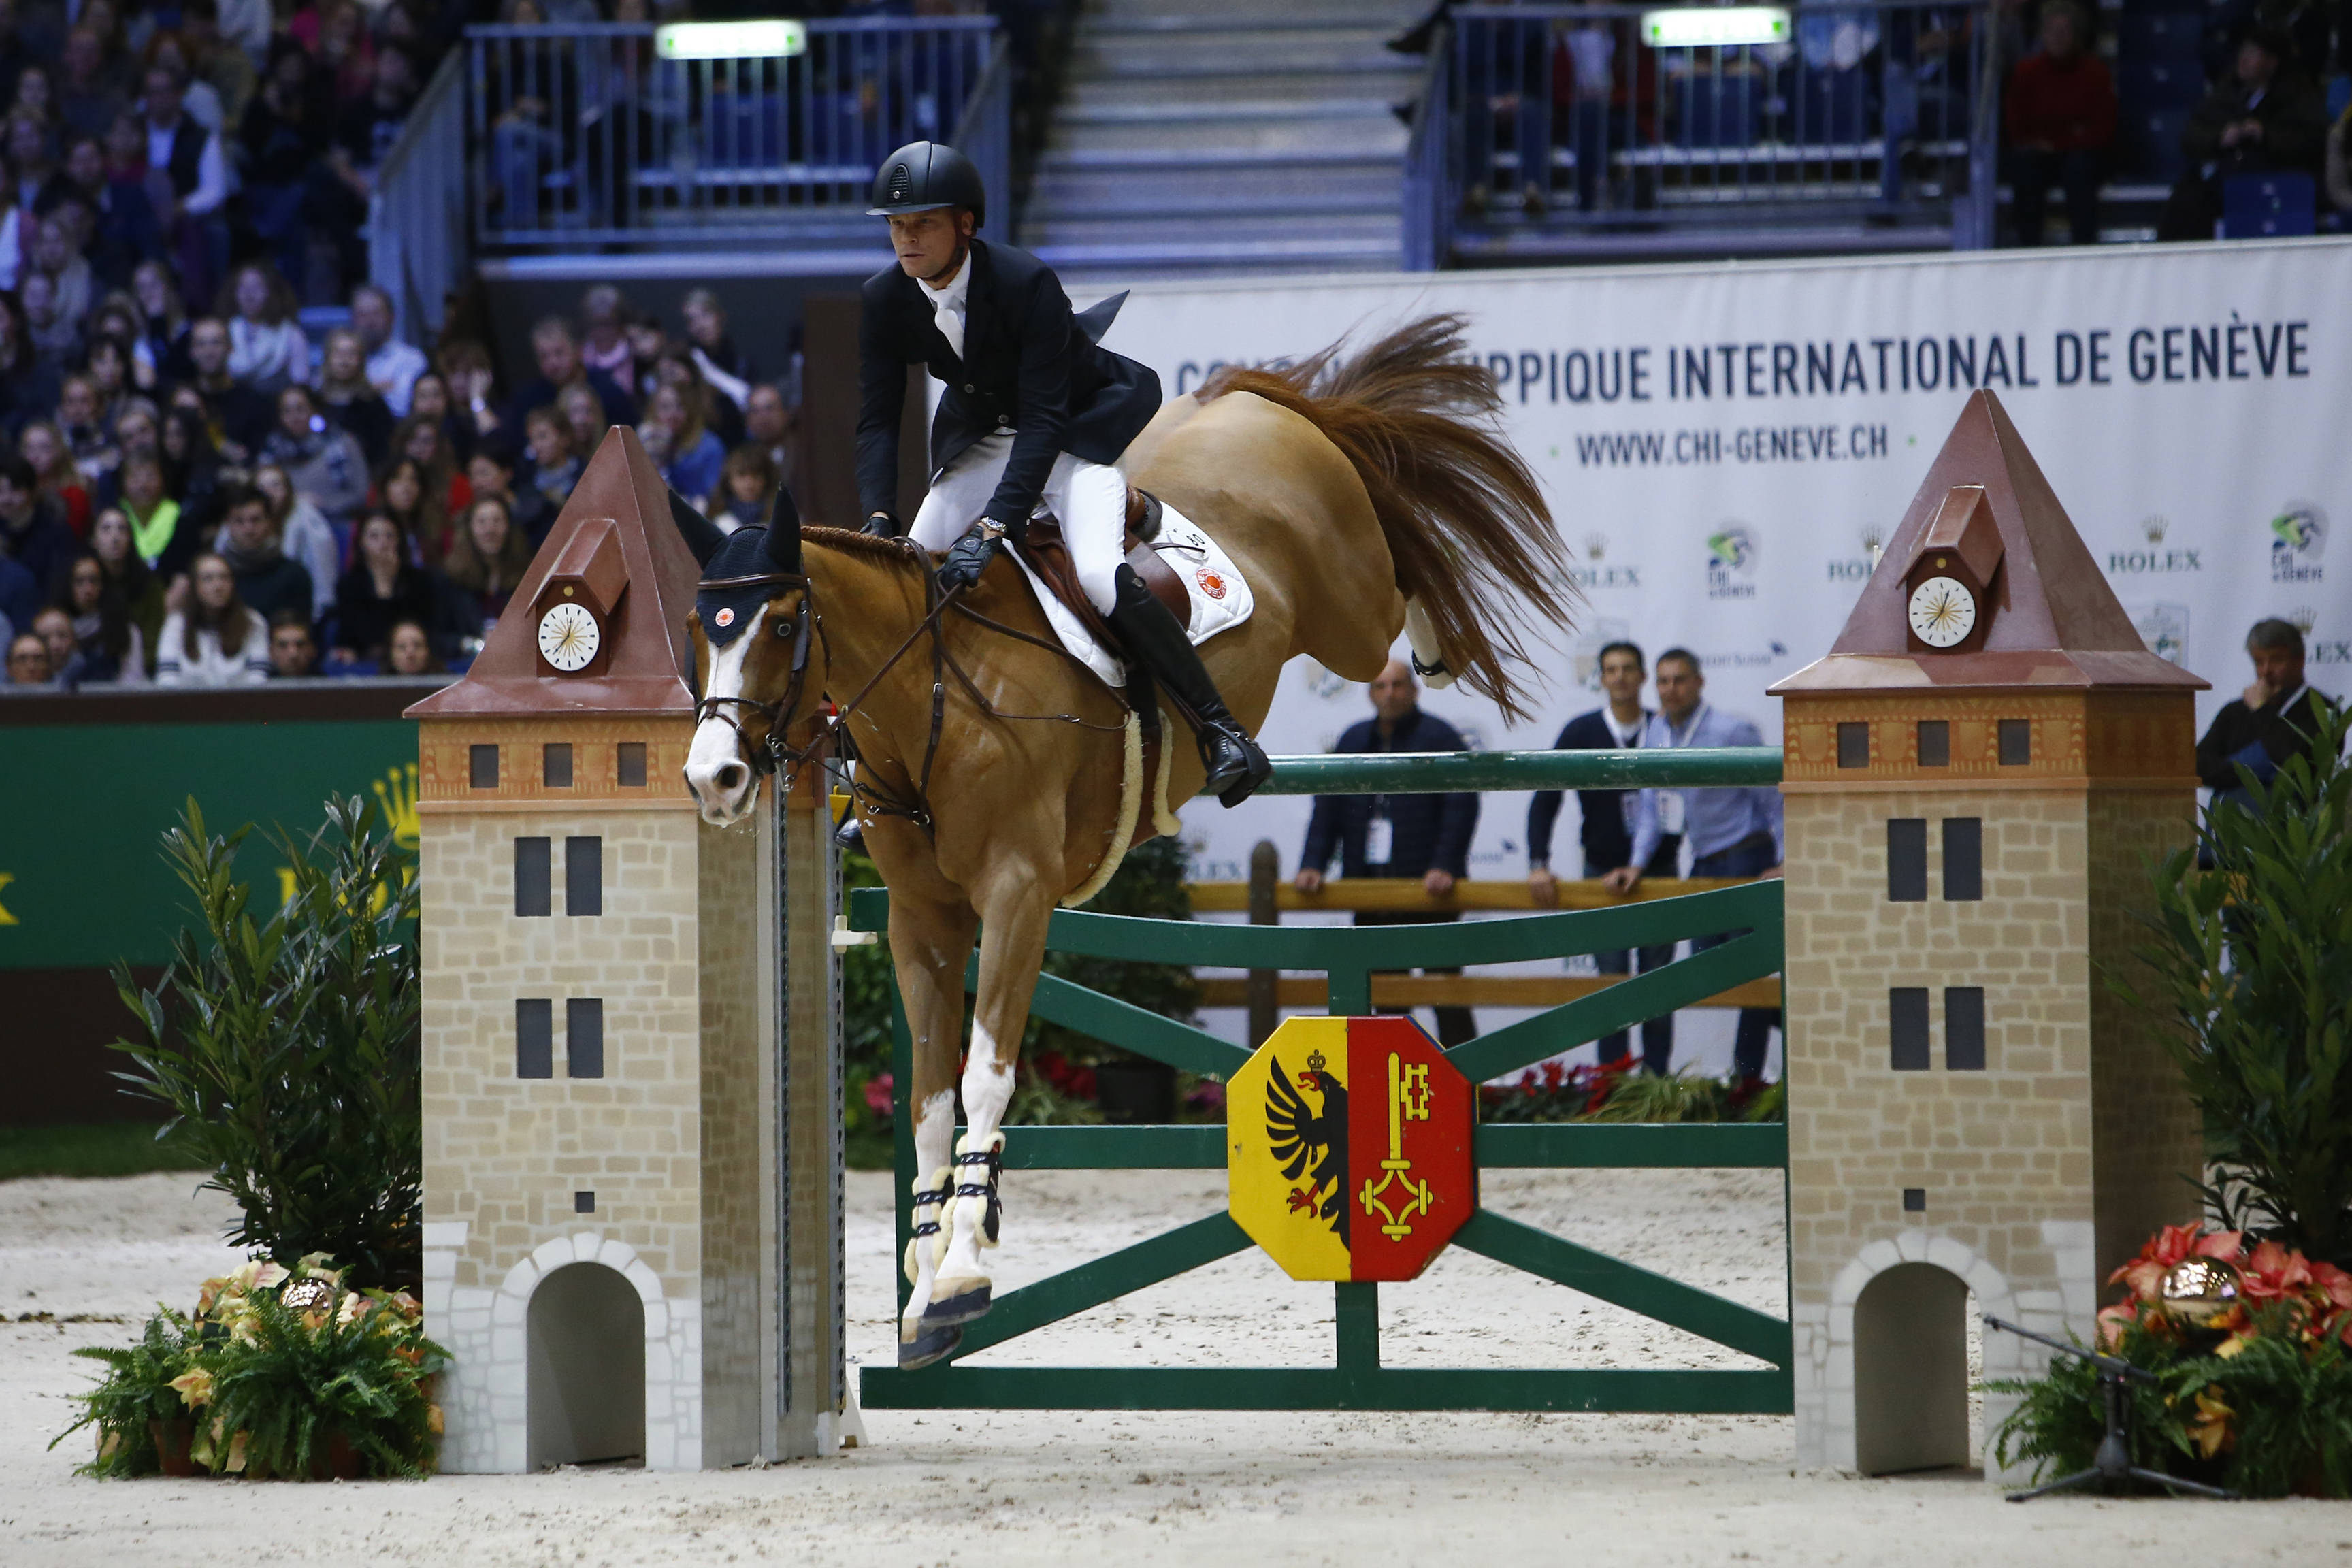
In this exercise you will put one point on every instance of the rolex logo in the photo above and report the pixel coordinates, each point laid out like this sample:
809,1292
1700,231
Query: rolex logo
2154,527
1874,543
396,793
1596,546
2303,617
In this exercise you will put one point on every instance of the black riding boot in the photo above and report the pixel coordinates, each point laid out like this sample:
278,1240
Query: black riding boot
1151,634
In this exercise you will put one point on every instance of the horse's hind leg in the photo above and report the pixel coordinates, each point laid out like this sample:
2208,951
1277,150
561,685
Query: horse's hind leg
1012,947
930,941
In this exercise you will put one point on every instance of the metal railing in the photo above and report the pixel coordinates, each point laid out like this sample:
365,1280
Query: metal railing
416,212
583,135
1564,124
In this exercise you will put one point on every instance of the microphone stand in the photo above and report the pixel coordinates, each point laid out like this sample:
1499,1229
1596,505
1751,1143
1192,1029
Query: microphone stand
2111,1465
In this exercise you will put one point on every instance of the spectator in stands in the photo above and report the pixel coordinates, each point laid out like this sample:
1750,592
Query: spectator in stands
747,488
154,517
2262,118
210,58
57,257
128,579
429,399
488,558
32,155
648,343
60,480
364,133
491,472
382,588
55,337
199,97
2269,721
267,581
551,468
33,530
82,421
1732,832
410,651
768,424
20,598
29,660
129,203
108,648
88,96
606,345
55,628
192,469
108,369
694,454
725,367
337,36
240,416
557,353
28,384
348,397
283,131
293,647
324,462
416,507
161,350
473,393
1424,835
583,416
266,348
393,367
1606,833
191,157
216,639
303,534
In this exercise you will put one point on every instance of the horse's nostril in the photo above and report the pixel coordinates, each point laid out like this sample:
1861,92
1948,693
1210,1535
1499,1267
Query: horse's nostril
729,776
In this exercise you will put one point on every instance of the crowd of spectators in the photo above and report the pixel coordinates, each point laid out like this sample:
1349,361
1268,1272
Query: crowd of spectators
215,500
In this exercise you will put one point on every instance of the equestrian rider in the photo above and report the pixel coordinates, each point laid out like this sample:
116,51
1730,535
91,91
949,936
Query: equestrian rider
1033,418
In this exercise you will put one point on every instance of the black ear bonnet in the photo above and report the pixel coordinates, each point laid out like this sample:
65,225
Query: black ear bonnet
727,613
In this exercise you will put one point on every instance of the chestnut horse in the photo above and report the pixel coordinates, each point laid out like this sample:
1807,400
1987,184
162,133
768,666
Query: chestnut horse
1354,496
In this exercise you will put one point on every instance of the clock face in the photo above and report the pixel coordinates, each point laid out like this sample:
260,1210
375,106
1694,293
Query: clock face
1943,612
569,636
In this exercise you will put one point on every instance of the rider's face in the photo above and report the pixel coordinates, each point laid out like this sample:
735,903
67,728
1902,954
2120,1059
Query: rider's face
930,242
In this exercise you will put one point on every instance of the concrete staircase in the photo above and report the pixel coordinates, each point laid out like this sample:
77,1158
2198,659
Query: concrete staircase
1226,136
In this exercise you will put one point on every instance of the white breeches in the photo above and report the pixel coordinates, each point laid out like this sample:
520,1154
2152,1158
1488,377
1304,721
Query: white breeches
1090,499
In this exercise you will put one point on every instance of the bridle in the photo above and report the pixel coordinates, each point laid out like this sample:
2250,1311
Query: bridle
772,754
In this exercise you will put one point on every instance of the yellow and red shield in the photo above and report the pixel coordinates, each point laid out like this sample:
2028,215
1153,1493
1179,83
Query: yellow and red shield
1348,1148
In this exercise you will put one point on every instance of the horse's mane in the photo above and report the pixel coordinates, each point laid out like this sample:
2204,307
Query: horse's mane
1415,414
872,547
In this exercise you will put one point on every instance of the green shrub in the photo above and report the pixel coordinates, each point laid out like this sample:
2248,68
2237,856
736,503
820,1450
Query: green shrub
286,1044
137,1389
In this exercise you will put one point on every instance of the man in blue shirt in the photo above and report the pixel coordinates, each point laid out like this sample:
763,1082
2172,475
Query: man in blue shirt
1731,832
1607,834
1423,836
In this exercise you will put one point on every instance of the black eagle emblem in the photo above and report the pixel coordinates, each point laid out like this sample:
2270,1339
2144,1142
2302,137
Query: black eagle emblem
1310,1142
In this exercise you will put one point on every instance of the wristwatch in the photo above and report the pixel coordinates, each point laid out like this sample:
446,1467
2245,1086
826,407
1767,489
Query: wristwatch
990,528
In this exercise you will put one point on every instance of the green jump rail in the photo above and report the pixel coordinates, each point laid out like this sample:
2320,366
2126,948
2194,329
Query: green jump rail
1349,956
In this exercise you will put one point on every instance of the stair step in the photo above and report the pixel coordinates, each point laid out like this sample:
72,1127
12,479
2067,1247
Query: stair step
1303,254
1270,136
1379,87
1285,49
1177,111
1162,160
1333,233
1390,17
1211,201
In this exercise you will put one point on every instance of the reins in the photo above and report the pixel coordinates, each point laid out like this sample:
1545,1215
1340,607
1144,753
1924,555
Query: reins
772,754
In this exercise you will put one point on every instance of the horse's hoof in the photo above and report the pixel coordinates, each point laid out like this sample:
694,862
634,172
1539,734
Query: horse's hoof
929,1344
955,1302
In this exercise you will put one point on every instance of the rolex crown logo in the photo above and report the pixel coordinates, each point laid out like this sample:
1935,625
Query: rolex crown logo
1596,546
396,794
2154,527
2303,617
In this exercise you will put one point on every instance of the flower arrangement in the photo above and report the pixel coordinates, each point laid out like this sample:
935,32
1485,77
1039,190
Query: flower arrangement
2251,1343
280,1372
1616,1091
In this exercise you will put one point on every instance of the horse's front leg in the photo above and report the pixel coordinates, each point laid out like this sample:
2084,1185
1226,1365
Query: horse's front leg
930,941
1012,947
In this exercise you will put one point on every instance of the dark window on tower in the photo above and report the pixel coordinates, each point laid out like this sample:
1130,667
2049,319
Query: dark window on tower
532,859
583,876
534,1037
2016,742
1906,1009
482,767
1853,745
583,1037
1907,860
1915,1200
1963,860
1964,1030
584,1203
632,762
1934,742
555,768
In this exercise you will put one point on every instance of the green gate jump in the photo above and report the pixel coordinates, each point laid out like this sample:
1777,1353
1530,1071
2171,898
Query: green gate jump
1349,956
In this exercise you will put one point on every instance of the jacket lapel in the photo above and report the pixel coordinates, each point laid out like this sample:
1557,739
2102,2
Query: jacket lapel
977,315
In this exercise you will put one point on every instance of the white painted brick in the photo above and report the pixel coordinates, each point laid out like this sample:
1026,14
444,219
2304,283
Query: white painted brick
522,1279
449,1233
1913,1245
656,1319
1877,1255
585,1244
1949,1255
615,1255
648,1282
509,1312
440,1264
551,1256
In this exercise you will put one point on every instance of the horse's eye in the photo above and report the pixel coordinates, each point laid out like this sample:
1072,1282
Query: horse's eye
783,628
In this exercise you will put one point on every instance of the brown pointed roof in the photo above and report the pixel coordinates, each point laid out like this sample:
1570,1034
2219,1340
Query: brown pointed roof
650,650
2055,622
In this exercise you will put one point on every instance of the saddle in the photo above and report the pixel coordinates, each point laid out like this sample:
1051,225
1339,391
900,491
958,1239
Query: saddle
1048,555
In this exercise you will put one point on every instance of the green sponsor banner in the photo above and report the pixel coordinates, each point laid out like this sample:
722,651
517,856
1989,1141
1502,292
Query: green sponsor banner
83,809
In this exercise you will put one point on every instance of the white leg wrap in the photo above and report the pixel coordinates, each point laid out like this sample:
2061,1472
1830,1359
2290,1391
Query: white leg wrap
1428,658
987,1091
934,1138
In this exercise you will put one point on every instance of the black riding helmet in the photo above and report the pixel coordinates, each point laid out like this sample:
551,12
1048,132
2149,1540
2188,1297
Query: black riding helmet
924,175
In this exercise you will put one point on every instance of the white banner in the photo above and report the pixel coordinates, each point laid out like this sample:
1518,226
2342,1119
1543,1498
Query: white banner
1725,446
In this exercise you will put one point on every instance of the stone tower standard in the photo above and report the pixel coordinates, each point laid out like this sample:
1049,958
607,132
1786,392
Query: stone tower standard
1974,778
597,983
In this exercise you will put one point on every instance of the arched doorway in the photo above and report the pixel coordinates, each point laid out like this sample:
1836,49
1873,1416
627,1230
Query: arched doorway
586,1331
1911,1371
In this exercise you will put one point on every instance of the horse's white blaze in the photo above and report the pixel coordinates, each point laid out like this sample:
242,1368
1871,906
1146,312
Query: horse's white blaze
717,753
987,1092
934,1146
1423,637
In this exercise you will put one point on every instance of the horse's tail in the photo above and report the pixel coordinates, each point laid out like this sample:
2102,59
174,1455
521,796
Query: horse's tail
1466,521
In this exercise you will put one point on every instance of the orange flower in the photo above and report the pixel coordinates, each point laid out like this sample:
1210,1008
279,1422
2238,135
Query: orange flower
2113,1322
2333,1283
2224,1244
2210,1430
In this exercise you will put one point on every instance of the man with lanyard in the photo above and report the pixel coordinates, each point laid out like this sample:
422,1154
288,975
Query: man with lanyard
1423,836
1034,414
2276,717
1732,832
1607,834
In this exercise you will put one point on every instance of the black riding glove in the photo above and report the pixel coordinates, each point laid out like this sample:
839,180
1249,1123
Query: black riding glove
882,525
970,556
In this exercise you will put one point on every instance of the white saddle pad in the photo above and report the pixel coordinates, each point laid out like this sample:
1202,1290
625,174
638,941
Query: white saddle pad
1220,596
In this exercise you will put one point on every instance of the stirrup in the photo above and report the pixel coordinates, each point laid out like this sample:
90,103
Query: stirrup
1237,784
